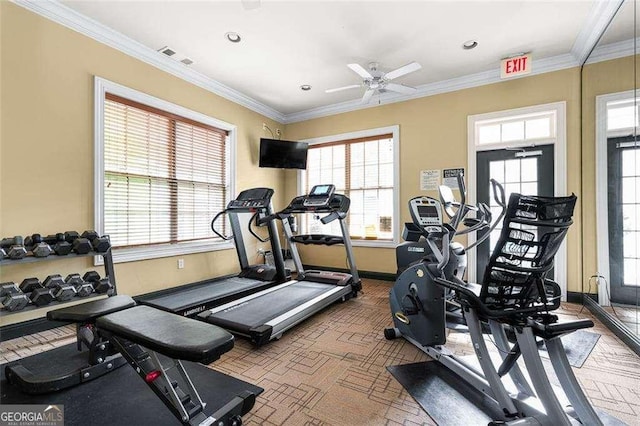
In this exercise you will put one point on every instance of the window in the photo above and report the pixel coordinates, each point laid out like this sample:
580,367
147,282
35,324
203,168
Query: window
162,173
363,166
519,128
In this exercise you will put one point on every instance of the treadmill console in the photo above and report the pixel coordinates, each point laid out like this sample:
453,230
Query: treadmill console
319,196
255,198
426,212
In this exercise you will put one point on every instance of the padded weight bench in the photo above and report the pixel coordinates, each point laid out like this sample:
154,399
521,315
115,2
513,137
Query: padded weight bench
154,342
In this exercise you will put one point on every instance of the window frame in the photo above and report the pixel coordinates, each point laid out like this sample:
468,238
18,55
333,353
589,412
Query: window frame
101,87
395,137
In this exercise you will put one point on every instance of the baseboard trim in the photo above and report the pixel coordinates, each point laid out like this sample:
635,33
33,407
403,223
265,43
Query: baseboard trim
382,276
576,296
13,331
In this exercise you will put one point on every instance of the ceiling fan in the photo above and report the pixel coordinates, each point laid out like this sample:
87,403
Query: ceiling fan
376,80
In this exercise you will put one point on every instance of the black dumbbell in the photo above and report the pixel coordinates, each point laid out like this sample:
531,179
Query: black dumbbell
61,291
29,284
83,288
12,298
100,285
14,247
41,296
58,243
99,244
80,244
37,246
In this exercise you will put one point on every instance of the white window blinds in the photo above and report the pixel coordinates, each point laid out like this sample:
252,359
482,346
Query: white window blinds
165,176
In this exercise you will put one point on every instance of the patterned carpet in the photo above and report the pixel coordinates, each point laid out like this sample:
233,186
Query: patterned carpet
331,369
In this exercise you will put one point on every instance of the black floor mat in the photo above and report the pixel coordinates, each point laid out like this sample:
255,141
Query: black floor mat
121,397
446,398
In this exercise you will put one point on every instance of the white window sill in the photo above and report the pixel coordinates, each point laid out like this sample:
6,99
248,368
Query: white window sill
163,250
374,243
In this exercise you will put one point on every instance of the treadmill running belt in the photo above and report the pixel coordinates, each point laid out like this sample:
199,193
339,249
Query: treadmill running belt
184,299
262,309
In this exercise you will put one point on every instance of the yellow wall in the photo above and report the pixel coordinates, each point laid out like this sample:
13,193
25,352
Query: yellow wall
46,155
433,135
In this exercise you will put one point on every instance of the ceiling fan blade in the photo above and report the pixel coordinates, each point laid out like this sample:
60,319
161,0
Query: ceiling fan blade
250,4
367,96
360,70
413,66
337,89
400,88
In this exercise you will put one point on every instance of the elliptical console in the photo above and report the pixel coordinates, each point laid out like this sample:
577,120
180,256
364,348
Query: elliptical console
426,212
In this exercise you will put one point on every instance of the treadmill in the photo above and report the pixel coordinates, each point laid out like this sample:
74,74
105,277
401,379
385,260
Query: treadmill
192,299
266,315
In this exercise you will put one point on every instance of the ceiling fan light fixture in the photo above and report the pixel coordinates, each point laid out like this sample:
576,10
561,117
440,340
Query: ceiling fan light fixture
305,87
233,37
469,44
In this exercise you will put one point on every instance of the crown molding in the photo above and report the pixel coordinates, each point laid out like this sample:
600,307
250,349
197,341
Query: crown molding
596,24
63,15
541,66
612,51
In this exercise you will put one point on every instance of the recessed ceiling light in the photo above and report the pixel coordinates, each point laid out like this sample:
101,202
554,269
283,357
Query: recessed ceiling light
233,37
469,44
305,87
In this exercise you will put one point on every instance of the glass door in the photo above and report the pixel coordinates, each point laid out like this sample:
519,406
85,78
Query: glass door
527,171
623,154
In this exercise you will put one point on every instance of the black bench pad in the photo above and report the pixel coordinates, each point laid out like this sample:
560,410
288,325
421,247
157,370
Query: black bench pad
169,334
88,312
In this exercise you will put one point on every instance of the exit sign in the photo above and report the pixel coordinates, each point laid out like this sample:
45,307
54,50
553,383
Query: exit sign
518,65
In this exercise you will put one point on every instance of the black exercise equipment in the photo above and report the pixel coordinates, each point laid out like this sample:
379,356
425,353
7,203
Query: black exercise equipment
83,289
29,284
100,285
35,244
99,244
81,245
60,246
3,254
41,296
14,247
266,315
118,332
515,295
193,299
12,298
61,291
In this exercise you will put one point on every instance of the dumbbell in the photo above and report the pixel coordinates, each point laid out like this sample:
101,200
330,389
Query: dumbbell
100,285
3,254
81,245
83,288
61,291
58,243
37,246
12,298
14,247
99,244
36,291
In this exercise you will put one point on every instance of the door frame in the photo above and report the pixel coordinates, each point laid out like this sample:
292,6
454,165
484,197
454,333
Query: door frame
602,196
559,163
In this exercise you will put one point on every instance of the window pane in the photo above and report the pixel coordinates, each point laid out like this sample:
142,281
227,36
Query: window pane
496,170
620,117
386,151
629,217
357,176
632,272
386,175
529,168
512,170
629,189
630,244
538,128
513,131
489,134
630,162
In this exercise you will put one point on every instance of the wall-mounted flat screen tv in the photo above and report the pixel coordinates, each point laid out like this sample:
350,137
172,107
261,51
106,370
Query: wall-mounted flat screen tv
283,154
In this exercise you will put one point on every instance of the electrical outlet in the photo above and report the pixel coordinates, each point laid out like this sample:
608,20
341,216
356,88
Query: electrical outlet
261,251
264,126
278,132
180,263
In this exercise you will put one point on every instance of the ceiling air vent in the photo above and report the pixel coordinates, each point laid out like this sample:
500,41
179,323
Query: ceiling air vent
187,61
167,51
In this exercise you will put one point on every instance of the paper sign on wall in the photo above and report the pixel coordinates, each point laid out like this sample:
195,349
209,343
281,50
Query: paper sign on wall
450,177
429,180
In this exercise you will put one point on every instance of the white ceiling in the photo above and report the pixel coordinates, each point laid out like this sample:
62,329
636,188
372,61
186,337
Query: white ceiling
287,44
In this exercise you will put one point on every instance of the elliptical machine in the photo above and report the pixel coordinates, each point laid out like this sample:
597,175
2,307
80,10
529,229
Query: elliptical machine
515,296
